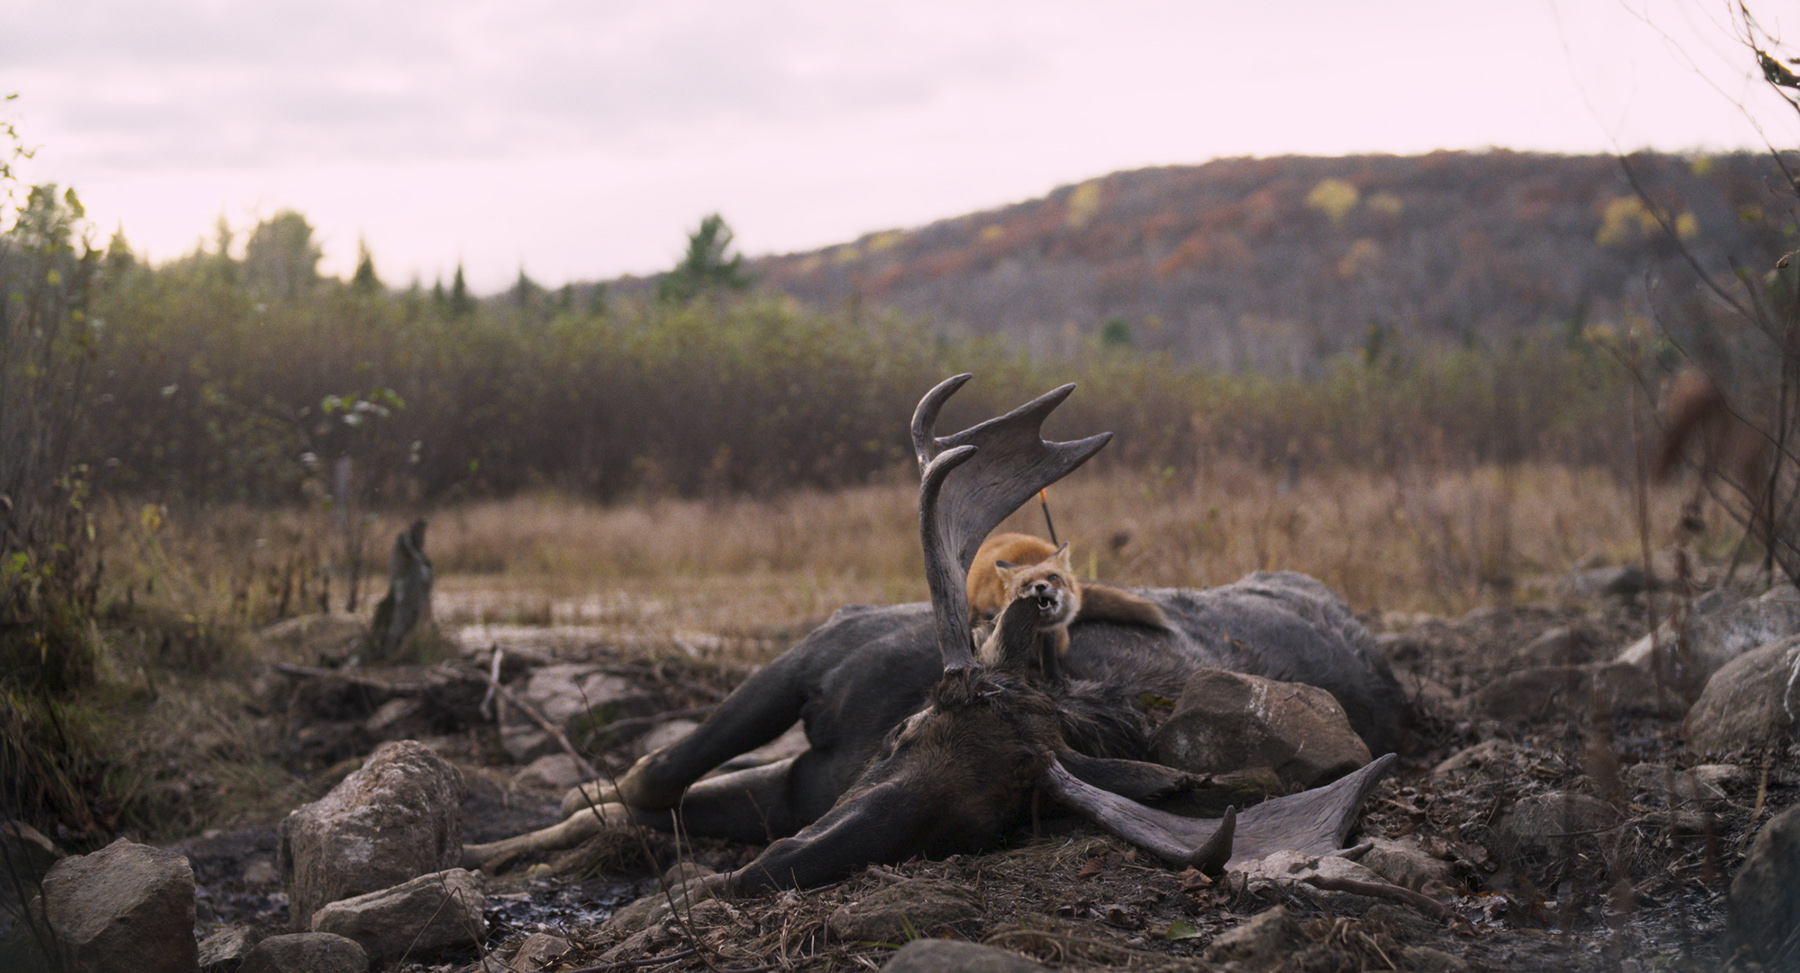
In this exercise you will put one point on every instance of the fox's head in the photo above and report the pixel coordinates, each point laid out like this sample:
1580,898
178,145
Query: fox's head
1050,582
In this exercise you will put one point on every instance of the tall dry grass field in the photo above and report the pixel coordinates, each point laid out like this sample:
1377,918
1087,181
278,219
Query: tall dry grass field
1442,542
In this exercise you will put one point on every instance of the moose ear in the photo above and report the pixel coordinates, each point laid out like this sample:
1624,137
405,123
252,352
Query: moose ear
1184,842
1133,779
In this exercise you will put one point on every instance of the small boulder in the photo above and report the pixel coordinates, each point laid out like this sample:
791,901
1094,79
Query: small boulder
904,911
1561,646
1570,693
662,735
426,914
1665,785
945,955
1265,941
1549,827
554,771
1749,702
25,855
306,952
125,907
1227,721
577,698
223,950
1718,627
1764,914
1495,751
1406,864
539,950
397,817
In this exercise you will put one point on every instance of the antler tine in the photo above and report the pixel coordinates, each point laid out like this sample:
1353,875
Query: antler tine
924,422
969,482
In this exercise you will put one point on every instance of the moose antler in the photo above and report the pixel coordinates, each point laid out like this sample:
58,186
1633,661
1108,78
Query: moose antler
968,483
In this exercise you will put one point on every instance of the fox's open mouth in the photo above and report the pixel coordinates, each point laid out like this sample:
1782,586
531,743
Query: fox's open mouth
1046,603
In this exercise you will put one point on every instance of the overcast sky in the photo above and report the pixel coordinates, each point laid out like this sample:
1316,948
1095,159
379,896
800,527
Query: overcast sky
582,139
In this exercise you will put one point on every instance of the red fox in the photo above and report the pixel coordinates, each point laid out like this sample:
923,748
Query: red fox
1009,567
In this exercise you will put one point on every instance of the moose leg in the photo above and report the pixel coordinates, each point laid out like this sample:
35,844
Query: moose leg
756,712
755,806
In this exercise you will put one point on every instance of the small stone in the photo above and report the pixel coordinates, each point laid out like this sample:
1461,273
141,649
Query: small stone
428,913
125,907
946,955
306,952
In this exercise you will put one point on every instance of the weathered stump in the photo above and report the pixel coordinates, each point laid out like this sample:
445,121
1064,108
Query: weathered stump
403,617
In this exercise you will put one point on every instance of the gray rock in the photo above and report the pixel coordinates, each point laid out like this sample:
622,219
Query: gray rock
1571,693
1477,756
127,908
577,698
1718,627
1666,785
25,855
662,735
306,952
1763,921
555,770
425,914
1227,721
1265,941
1750,702
539,950
905,911
951,956
1561,646
1607,582
1548,827
223,950
398,817
1406,864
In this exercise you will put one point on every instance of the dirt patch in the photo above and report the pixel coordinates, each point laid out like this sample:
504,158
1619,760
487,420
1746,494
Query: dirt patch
1626,869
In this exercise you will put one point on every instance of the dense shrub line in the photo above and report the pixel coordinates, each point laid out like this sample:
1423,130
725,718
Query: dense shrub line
203,391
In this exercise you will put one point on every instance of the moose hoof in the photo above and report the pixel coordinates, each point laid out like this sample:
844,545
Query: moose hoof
639,787
591,794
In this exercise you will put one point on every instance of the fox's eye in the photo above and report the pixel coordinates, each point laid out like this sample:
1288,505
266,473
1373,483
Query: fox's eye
1055,579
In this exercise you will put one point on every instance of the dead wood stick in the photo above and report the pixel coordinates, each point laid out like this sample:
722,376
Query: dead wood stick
555,731
366,681
633,722
488,708
1382,890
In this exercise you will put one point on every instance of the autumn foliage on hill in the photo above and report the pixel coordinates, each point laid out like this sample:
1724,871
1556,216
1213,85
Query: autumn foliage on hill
1275,264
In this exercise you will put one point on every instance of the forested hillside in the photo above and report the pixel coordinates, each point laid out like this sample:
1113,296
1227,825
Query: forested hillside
1276,264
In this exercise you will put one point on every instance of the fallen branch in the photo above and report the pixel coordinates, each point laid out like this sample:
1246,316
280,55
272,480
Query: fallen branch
1382,890
654,719
555,731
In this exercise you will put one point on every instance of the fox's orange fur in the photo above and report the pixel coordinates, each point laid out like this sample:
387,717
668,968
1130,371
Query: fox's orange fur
1008,567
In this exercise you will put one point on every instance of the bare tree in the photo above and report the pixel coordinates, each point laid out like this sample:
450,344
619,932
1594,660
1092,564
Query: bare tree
1732,408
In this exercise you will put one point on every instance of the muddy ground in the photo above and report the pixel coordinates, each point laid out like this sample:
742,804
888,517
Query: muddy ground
1647,892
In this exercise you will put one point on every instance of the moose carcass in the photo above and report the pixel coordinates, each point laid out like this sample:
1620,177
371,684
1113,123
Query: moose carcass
915,749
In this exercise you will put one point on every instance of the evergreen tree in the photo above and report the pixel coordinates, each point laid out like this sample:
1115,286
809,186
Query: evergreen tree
365,281
461,304
707,267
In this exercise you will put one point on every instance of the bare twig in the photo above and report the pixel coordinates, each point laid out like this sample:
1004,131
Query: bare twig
555,731
654,719
1382,890
489,709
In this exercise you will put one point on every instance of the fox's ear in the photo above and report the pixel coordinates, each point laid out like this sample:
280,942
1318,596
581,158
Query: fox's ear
1062,555
1004,571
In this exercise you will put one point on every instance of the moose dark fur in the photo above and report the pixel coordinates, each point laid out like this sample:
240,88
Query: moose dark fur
914,749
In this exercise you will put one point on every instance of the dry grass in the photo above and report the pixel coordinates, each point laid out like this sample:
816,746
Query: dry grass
1441,542
741,579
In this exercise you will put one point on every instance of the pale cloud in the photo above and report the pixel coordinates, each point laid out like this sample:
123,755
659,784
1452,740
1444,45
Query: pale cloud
581,139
